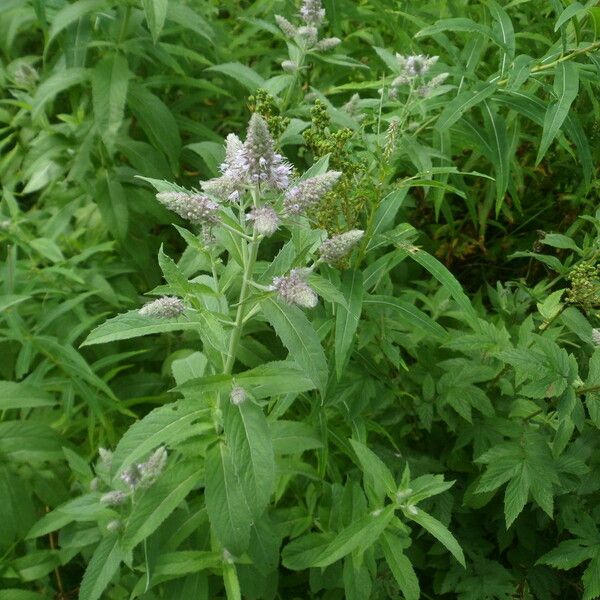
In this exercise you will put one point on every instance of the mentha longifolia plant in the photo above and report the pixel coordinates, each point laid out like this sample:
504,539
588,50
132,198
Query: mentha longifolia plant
224,492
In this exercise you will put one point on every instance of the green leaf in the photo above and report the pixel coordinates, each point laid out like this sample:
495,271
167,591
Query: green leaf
498,143
71,13
112,202
54,85
293,437
8,300
463,102
110,80
160,500
458,24
300,338
362,533
569,13
232,584
131,324
516,495
228,512
375,472
347,318
157,121
244,75
503,32
249,440
23,395
439,531
156,13
166,425
400,566
441,273
101,569
408,313
566,88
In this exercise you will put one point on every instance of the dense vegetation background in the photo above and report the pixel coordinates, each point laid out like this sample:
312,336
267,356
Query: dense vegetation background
430,429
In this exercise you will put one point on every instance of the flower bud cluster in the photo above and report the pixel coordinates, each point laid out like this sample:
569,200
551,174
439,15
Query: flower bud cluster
294,289
338,246
412,70
312,15
265,219
163,308
136,476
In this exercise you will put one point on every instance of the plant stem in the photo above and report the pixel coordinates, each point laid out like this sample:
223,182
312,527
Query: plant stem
249,260
550,65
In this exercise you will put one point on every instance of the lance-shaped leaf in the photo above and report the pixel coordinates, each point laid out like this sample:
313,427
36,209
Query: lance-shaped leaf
347,318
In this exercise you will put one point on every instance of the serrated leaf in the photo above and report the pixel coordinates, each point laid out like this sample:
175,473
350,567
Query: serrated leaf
156,13
347,318
166,425
228,512
439,531
248,437
400,566
300,338
110,80
101,569
160,500
375,472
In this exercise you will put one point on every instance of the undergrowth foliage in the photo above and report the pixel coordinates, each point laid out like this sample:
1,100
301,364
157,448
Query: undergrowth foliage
366,362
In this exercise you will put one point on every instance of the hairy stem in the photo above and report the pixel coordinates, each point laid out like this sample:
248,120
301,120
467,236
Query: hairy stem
249,260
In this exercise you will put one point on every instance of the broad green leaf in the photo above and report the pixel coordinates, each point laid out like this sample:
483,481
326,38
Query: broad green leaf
156,13
566,88
361,534
101,569
463,102
293,437
166,425
408,313
112,202
458,24
110,80
400,566
160,500
30,442
347,319
8,300
300,338
23,395
438,530
157,121
503,32
441,273
244,75
131,324
570,12
248,437
228,512
71,13
386,213
187,17
498,142
516,495
375,472
54,85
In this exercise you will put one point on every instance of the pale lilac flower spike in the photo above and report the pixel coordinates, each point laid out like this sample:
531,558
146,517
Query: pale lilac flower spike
312,13
266,220
163,308
294,289
307,193
338,246
259,160
196,208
